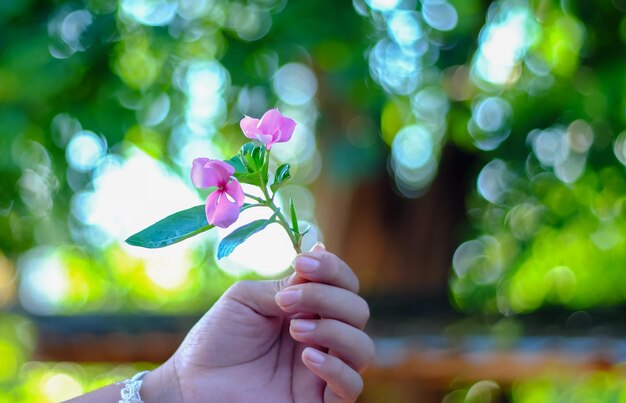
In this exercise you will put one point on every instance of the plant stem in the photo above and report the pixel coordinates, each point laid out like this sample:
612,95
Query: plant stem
257,199
269,202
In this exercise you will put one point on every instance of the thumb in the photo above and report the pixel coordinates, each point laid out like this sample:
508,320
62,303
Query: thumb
260,296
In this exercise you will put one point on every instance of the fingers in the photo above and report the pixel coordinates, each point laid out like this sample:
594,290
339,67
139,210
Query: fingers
343,384
348,343
325,301
316,266
324,267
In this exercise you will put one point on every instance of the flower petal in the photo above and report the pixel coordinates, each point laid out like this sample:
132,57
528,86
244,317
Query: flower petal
211,206
235,191
221,168
270,122
249,126
202,177
286,128
220,211
206,172
266,139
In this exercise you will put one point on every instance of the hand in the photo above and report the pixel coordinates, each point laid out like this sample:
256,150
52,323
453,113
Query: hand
298,339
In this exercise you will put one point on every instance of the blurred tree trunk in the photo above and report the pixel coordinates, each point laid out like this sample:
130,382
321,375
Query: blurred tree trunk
399,247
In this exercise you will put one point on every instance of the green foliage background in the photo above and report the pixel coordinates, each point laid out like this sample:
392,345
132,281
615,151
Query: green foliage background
544,114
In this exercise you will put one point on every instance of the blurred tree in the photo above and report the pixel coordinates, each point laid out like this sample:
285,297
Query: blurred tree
103,104
93,90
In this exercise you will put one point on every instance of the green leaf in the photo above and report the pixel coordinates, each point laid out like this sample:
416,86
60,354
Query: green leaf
249,161
172,229
250,165
294,217
238,164
247,148
258,156
238,236
281,176
252,156
253,179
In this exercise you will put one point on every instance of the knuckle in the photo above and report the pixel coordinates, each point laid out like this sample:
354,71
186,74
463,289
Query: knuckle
326,331
370,353
341,371
313,295
359,386
239,288
357,283
325,259
354,389
352,383
280,284
364,312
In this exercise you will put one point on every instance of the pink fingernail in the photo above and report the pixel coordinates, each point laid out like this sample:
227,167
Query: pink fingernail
306,264
318,247
302,325
288,297
314,356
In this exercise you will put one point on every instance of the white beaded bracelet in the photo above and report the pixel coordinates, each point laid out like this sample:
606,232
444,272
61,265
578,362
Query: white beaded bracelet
130,391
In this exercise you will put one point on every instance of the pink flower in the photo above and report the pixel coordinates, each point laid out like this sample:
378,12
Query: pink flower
271,128
222,205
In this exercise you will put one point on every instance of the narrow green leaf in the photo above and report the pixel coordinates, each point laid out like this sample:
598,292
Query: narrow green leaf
172,229
281,176
238,236
294,218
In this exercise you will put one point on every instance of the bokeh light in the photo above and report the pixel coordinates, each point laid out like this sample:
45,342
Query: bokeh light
111,210
295,84
504,118
44,281
85,150
440,15
150,12
504,42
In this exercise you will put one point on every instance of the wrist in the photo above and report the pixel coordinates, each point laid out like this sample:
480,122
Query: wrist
161,385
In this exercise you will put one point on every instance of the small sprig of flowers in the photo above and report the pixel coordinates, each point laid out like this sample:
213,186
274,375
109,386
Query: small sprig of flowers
227,199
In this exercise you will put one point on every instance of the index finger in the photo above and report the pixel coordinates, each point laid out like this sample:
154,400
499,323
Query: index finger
321,266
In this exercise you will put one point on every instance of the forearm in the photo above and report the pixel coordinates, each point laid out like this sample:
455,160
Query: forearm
160,385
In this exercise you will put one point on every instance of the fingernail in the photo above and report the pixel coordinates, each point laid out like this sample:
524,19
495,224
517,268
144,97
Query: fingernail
314,356
288,297
318,247
306,264
302,325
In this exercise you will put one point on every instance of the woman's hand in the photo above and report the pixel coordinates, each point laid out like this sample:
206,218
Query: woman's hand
299,339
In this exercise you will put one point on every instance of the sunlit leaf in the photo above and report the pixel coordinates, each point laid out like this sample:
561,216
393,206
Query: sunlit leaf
172,229
294,217
281,176
238,164
250,165
238,236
